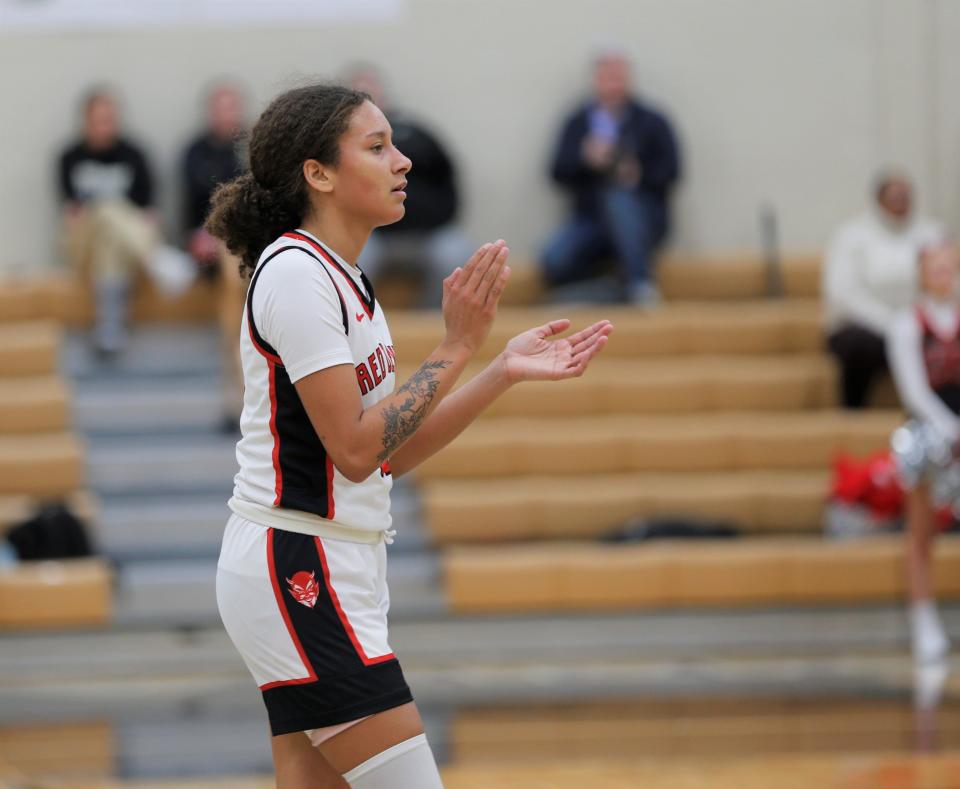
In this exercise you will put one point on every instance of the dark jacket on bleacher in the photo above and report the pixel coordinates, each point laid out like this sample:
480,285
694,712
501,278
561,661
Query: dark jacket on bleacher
644,134
207,163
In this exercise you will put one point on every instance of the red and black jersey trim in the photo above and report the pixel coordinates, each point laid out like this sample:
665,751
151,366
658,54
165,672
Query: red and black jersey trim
368,299
339,683
258,341
303,469
941,358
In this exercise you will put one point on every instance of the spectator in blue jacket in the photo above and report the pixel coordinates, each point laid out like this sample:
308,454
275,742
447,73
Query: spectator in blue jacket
619,160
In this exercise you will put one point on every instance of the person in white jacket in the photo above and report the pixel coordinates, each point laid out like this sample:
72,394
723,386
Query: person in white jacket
869,273
923,343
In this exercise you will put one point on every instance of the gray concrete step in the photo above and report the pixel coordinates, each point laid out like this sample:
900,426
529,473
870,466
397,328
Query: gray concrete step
144,528
184,700
146,406
139,652
145,525
180,593
170,464
153,352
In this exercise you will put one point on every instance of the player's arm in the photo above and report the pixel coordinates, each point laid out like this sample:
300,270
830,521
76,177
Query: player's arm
358,439
531,356
905,353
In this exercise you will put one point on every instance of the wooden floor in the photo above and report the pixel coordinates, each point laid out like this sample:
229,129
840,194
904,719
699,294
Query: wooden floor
871,772
846,772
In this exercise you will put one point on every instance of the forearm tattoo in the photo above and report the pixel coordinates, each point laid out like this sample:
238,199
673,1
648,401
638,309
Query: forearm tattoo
400,421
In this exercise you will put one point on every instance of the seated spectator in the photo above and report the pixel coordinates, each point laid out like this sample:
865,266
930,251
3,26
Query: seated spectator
211,159
618,159
111,227
923,343
427,241
869,273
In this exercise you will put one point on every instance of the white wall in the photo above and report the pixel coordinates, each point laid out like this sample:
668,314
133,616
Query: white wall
792,101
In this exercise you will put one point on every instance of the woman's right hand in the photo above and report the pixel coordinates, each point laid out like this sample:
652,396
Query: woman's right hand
471,295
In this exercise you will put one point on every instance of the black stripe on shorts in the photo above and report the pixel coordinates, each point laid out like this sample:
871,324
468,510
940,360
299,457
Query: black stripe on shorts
346,687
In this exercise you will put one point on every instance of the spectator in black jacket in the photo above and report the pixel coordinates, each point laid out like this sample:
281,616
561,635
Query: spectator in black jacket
213,158
110,225
619,160
428,238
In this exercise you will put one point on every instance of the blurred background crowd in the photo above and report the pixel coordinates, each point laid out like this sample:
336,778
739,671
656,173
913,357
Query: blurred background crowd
726,542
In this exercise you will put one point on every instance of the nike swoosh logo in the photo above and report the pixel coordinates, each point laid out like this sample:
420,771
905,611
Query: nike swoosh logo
359,317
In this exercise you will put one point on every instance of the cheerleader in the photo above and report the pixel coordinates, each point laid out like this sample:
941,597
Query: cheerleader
923,344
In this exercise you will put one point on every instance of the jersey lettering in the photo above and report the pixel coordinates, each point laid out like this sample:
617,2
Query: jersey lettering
374,371
364,379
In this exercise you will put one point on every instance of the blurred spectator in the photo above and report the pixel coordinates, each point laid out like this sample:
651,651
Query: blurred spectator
111,228
869,273
923,343
619,160
427,239
211,159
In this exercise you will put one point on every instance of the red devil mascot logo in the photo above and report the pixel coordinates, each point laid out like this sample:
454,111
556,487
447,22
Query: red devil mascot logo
304,588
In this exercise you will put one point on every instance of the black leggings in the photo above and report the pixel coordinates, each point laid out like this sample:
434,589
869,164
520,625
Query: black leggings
862,356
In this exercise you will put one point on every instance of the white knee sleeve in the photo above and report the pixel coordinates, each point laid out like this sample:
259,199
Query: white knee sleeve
406,765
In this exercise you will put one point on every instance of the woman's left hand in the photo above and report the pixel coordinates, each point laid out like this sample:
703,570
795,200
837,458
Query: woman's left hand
532,356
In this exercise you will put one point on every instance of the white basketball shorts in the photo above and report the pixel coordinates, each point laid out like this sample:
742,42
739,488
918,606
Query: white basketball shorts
309,616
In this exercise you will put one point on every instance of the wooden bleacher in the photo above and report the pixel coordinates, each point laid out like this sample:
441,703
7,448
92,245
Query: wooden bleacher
41,458
686,277
80,748
742,329
29,348
719,405
895,770
592,505
632,443
685,729
755,571
55,594
59,297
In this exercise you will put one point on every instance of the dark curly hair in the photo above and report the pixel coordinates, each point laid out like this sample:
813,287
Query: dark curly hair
272,197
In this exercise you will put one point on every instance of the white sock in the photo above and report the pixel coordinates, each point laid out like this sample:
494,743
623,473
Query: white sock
928,638
406,765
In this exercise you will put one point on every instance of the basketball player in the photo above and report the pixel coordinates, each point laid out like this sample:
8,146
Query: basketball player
924,348
301,580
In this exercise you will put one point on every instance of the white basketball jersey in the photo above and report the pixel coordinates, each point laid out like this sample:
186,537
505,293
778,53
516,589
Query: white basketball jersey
287,479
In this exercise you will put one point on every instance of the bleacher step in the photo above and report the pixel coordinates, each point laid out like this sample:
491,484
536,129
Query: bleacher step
511,447
684,328
145,527
30,348
754,572
152,352
55,594
31,404
551,639
41,464
557,507
203,463
149,406
180,593
686,729
686,384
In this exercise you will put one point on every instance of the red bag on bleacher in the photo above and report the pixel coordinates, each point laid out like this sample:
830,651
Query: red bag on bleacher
865,496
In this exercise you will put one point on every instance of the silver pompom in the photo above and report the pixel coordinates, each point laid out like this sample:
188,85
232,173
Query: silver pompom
921,454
